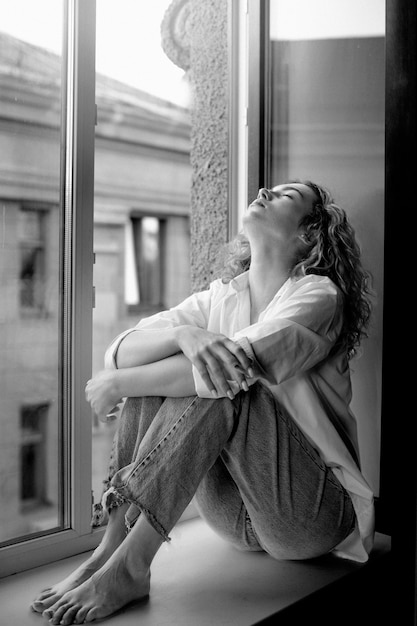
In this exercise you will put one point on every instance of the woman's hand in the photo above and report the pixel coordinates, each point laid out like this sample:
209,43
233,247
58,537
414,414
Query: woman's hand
103,394
217,359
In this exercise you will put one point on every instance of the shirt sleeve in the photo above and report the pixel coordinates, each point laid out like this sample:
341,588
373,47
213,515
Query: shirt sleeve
193,311
296,333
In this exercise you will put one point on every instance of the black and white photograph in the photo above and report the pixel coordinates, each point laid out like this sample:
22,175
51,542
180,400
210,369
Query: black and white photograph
205,416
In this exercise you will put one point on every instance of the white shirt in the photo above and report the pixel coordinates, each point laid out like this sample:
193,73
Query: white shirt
289,345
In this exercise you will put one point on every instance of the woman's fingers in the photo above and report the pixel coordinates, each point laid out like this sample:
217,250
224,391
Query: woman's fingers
213,376
219,360
235,364
240,356
218,367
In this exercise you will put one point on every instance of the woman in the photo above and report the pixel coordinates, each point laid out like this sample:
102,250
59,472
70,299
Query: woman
240,397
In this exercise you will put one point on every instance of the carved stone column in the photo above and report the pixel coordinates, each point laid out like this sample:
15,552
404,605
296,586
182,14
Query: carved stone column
175,33
194,37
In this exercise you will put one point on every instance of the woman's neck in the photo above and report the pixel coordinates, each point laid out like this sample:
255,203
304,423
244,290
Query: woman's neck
265,279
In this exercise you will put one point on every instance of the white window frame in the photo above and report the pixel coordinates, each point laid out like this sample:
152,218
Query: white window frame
77,200
238,113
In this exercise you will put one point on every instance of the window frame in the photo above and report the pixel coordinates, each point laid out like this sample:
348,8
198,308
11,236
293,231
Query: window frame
396,505
258,120
78,116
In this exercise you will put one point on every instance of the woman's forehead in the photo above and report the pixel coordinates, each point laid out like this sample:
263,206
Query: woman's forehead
304,190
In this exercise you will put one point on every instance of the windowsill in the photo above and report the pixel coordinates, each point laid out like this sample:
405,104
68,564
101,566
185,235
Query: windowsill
198,579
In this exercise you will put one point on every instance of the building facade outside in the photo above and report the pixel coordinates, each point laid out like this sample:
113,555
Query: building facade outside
141,245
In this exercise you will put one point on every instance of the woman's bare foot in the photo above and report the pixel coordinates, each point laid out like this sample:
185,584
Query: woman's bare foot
124,578
115,533
107,591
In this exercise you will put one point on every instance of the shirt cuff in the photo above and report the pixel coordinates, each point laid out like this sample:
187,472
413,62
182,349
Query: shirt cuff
110,356
201,388
244,343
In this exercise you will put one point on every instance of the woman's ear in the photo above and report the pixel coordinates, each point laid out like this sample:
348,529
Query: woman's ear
304,238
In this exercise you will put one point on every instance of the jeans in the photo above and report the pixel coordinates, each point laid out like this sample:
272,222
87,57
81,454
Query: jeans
256,479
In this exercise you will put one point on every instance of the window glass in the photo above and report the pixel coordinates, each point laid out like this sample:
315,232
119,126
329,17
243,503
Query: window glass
327,123
30,319
142,182
31,236
33,457
148,258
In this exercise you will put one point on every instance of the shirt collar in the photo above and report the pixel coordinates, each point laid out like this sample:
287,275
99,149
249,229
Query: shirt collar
240,282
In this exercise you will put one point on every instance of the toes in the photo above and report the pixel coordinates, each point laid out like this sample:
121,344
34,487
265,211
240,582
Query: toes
48,613
46,603
37,606
69,616
92,615
55,612
81,615
40,604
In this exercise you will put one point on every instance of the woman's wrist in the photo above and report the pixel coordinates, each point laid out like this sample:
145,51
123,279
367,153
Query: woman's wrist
118,383
178,334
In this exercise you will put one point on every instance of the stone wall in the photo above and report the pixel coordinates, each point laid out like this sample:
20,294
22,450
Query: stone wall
194,36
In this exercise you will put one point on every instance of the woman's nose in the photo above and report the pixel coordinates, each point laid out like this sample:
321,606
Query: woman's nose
264,194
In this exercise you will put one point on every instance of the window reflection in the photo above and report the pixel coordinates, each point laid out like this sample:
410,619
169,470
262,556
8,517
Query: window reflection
148,247
327,124
33,453
32,260
30,109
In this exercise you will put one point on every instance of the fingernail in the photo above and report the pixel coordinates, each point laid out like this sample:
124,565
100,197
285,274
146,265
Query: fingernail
245,385
214,393
230,395
251,373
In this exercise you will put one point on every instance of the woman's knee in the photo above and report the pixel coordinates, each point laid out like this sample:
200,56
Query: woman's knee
136,405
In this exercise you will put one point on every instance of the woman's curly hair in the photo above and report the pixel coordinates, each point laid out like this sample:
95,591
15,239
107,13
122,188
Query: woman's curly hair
330,249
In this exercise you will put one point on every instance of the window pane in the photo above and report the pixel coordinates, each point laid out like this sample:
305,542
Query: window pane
327,125
148,250
30,324
142,182
31,238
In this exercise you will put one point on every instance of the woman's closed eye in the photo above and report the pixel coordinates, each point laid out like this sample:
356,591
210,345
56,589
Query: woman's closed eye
279,194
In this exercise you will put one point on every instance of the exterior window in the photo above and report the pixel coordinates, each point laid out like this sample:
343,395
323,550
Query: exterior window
45,279
32,484
33,427
142,180
32,259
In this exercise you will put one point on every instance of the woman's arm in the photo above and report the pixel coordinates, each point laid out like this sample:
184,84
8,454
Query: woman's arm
155,337
147,346
170,377
217,358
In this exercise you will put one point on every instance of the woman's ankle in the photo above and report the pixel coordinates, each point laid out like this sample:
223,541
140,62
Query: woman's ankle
141,545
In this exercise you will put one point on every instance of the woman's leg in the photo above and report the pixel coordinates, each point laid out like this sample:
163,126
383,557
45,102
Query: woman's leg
270,489
135,420
184,440
179,446
124,578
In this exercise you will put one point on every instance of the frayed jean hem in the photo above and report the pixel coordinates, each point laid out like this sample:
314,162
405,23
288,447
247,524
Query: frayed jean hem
113,498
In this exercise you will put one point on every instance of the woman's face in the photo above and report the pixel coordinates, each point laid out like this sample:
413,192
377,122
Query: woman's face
279,211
